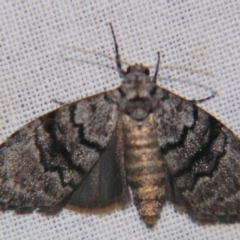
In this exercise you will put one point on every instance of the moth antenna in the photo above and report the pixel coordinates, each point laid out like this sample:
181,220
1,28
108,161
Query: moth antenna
91,52
207,98
117,57
185,69
157,68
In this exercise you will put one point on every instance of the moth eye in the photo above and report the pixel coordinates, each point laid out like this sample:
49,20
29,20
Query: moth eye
153,91
129,69
146,71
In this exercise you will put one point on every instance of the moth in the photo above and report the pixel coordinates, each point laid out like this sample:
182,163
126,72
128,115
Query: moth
139,137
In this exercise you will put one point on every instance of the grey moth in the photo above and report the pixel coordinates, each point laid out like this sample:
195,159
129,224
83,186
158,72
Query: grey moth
139,137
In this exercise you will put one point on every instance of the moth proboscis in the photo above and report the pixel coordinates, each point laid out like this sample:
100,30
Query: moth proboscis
140,138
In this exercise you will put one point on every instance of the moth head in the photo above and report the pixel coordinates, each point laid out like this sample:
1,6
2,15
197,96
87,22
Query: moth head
137,89
138,68
137,82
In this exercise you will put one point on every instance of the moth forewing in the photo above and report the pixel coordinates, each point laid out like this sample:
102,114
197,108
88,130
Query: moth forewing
104,187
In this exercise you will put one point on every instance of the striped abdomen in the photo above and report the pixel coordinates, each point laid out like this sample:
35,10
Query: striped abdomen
145,170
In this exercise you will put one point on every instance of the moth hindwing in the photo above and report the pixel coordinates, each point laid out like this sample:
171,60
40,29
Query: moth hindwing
141,137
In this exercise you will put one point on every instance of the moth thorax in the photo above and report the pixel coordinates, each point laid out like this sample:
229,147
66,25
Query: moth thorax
145,170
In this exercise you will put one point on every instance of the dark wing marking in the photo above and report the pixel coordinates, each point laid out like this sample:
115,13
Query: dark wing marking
45,161
202,159
106,183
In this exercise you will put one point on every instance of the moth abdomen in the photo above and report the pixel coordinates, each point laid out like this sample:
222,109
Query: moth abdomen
145,170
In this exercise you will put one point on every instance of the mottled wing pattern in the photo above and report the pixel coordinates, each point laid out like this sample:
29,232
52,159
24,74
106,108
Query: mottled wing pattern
202,159
105,186
43,163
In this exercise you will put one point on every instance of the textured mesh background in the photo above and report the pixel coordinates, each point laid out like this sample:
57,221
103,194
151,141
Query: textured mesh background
34,71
